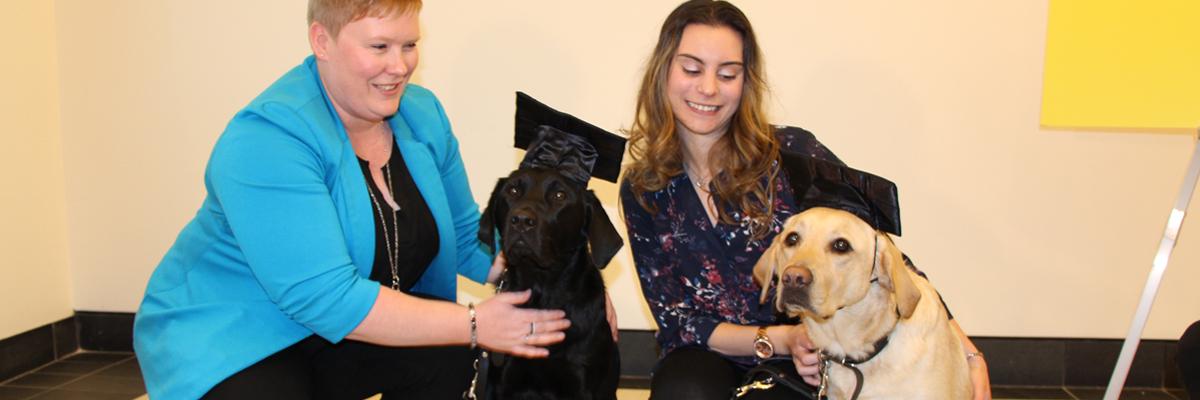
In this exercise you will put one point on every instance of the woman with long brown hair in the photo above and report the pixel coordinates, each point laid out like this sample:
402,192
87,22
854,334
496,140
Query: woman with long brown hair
703,197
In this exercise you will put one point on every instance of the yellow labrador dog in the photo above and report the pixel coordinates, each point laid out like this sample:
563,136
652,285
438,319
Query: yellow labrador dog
863,304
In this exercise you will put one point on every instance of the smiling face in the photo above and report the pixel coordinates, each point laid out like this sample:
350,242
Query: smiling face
366,67
705,79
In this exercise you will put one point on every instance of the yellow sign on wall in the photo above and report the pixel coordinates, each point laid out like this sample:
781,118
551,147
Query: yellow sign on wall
1122,64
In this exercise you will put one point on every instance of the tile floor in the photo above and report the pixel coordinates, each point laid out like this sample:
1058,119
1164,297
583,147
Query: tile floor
116,376
90,375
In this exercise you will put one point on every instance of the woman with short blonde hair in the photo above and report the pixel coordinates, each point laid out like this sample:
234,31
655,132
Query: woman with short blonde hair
323,262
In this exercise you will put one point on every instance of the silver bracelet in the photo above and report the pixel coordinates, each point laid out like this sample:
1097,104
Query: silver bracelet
474,336
973,354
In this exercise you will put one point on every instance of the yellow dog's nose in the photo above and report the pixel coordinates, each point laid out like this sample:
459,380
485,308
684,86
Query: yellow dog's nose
796,276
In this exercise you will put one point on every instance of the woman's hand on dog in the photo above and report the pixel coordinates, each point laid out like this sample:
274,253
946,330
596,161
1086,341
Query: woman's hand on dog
503,327
804,354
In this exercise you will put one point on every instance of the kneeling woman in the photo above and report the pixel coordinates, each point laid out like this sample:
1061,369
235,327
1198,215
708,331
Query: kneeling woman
338,216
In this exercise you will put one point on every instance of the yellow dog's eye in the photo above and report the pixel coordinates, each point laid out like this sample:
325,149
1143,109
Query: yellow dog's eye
841,246
792,239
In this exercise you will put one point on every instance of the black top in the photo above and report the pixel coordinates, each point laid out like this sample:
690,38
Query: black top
414,224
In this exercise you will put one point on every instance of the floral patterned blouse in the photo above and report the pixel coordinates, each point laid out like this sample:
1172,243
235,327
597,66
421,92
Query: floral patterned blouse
695,275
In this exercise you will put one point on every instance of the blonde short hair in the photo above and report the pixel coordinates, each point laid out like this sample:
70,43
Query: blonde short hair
334,14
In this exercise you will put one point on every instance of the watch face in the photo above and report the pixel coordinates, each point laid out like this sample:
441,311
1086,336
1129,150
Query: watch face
763,349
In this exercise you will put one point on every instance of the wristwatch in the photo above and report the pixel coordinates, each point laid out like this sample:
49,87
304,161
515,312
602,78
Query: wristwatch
762,344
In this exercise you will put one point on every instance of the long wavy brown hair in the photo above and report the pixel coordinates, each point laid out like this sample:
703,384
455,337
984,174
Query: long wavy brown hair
741,158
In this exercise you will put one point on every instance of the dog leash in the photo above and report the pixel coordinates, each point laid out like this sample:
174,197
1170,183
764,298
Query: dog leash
766,376
826,364
483,357
470,393
827,360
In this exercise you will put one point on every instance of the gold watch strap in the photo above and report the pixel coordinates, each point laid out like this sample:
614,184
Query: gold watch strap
761,336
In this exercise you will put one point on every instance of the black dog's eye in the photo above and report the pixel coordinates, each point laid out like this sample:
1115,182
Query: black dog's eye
841,246
559,195
512,191
792,239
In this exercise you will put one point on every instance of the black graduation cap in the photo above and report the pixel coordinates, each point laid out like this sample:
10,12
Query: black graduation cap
820,183
557,140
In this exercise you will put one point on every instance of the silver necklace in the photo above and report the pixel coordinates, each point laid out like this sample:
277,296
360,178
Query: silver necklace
393,243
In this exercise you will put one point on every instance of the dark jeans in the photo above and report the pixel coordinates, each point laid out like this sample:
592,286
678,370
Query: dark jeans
317,369
694,373
1189,359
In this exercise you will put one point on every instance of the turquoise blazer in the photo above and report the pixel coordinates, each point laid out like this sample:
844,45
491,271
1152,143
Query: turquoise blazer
284,242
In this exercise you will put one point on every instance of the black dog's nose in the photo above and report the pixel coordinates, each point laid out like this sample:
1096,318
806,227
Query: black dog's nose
797,276
522,220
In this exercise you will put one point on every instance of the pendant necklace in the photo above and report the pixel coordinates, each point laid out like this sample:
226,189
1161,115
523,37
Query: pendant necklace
696,182
391,242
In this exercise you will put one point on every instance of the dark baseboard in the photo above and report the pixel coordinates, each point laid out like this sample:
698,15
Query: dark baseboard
1077,362
1051,362
105,331
639,352
37,347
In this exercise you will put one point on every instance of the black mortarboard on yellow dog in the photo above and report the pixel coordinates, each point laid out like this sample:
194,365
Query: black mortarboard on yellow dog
868,311
820,183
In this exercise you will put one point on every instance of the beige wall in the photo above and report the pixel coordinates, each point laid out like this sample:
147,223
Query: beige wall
35,285
1026,231
147,87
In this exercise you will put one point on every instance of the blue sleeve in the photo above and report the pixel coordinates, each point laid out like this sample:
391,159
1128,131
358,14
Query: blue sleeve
669,299
473,263
268,177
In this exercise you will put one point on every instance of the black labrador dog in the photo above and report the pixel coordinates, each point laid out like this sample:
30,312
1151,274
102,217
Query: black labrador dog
556,238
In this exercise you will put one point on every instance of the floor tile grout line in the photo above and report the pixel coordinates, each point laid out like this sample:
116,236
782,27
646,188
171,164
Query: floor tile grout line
96,372
64,359
1069,393
65,383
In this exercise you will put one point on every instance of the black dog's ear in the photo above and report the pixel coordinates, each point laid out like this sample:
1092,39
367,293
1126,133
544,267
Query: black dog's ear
493,216
602,236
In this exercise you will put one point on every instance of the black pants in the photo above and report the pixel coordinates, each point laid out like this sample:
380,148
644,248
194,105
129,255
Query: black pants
694,373
1189,359
317,369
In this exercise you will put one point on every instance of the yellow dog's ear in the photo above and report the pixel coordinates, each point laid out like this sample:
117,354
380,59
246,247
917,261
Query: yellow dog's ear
893,275
764,269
